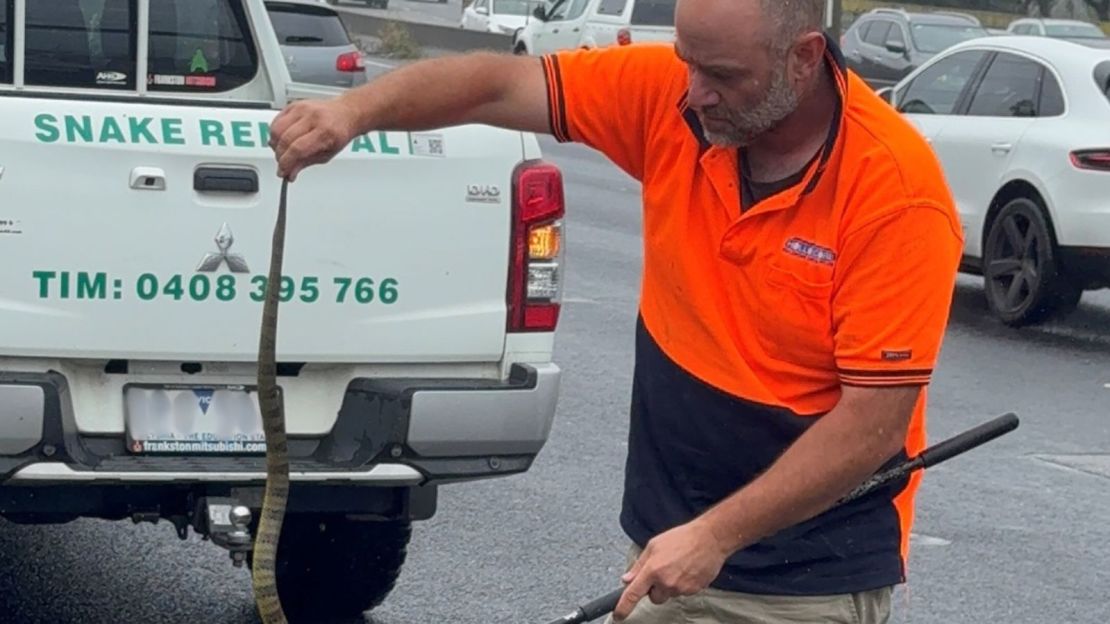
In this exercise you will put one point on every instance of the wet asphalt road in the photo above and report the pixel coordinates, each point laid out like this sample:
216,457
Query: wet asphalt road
1015,532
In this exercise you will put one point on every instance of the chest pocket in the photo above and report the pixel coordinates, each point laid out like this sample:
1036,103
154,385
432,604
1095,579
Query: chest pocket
794,306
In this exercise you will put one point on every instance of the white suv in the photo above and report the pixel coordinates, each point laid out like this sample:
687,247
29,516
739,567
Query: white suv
1018,125
1057,28
137,202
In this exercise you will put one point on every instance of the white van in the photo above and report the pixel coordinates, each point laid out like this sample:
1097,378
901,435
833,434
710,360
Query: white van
563,24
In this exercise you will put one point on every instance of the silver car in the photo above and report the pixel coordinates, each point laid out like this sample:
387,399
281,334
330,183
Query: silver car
315,43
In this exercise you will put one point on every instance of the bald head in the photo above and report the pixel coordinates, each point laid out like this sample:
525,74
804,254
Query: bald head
790,18
750,61
776,20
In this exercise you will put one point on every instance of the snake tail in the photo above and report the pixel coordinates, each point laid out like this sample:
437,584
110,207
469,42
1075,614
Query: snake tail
276,496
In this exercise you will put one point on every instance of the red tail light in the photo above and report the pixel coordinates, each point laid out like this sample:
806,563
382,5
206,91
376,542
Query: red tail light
624,36
1094,159
349,62
535,271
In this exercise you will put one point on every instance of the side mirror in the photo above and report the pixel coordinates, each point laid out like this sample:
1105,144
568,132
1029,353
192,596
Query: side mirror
539,13
887,93
896,47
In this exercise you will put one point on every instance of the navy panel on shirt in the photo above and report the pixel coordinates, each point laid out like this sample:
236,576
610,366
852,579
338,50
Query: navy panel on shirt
691,445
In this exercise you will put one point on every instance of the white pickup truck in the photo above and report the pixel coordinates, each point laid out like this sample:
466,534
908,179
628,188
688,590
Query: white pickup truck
568,24
137,202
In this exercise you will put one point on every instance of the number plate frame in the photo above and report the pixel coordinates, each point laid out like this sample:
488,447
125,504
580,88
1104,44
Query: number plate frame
216,435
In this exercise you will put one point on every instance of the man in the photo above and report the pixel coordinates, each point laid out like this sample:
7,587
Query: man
801,250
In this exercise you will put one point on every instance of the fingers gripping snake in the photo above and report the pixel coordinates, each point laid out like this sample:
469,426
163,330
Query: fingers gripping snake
273,423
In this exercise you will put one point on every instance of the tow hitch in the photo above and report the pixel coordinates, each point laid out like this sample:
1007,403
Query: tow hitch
227,523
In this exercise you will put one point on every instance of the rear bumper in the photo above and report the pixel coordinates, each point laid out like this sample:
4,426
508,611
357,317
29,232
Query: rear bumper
389,433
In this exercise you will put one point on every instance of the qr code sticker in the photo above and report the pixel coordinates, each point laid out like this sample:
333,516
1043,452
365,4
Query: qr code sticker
425,144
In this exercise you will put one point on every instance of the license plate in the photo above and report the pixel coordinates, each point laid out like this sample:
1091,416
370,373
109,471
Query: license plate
193,419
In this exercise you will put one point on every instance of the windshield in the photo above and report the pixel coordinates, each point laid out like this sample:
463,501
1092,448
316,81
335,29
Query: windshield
1074,30
513,7
300,27
936,37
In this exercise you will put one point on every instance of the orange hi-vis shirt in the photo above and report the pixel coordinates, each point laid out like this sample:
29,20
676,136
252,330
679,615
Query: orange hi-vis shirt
753,318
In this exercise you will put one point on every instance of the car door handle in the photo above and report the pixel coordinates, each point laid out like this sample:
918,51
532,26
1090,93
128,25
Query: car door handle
1002,148
225,179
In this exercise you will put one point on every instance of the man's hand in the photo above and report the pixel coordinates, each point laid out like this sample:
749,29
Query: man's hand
310,133
679,562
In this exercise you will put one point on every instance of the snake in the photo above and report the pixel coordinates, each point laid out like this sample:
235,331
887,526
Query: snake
276,495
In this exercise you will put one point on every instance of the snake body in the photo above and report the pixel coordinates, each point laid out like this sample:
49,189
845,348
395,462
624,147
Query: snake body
276,496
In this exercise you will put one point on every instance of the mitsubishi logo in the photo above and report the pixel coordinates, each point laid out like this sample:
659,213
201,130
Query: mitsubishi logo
212,260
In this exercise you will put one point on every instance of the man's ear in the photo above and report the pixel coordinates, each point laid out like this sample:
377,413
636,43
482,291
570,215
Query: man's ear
806,56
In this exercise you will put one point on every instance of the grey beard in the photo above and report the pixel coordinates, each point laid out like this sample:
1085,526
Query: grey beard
749,125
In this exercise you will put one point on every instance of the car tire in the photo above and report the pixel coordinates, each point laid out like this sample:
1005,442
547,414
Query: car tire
334,568
1023,282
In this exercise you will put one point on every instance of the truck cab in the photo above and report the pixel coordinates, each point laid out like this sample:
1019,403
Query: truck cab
568,24
420,298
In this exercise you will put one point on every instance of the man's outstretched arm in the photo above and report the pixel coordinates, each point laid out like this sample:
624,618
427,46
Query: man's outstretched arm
494,89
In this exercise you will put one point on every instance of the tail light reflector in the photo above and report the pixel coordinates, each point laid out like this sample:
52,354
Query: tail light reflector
624,36
535,270
349,62
1095,159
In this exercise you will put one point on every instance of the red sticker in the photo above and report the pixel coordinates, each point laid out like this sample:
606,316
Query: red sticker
200,81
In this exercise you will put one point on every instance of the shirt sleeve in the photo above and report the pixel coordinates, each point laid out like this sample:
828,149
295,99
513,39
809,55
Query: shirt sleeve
609,98
892,302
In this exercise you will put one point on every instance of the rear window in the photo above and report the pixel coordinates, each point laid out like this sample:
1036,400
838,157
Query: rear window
932,38
200,46
5,41
1079,31
80,43
653,13
299,25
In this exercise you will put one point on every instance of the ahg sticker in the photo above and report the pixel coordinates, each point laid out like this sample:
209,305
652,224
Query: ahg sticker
111,78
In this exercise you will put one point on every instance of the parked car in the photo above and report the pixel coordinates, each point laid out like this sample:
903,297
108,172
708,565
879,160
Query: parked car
1058,28
498,16
884,45
1019,123
563,24
315,44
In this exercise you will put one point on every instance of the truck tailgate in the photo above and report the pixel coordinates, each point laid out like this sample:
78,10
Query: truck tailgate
133,231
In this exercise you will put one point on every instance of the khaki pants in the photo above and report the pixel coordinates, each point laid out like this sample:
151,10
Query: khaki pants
714,606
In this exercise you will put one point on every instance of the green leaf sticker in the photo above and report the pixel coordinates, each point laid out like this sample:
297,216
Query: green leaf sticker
199,63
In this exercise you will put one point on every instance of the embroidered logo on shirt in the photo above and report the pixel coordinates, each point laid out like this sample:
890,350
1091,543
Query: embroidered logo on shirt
896,356
810,251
